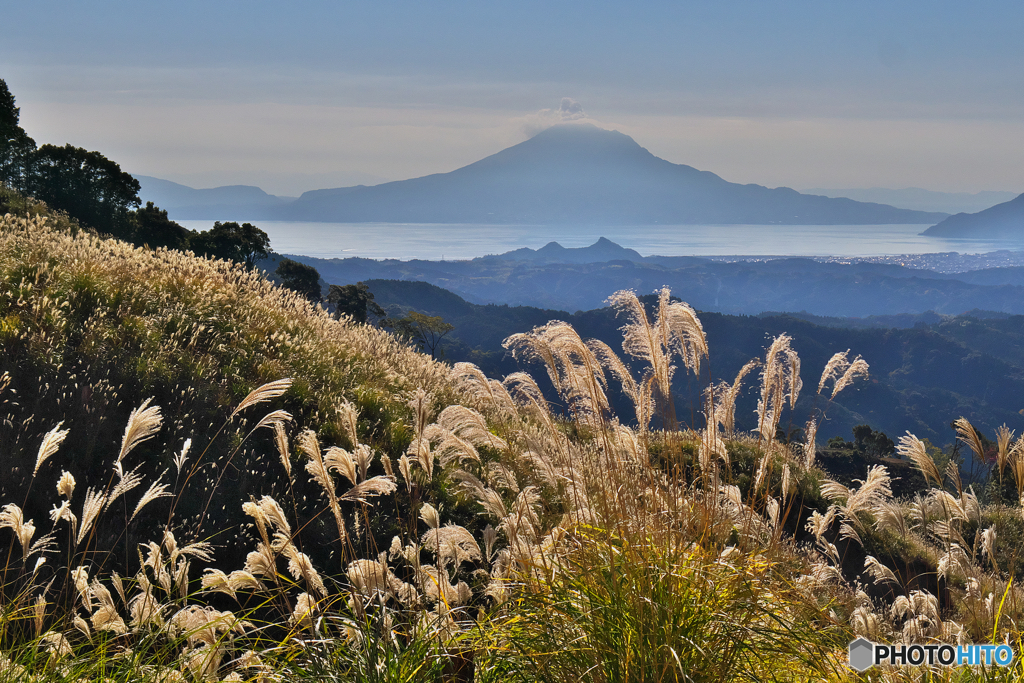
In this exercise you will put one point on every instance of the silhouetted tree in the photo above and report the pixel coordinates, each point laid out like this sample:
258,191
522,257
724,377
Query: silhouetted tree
426,331
300,278
16,147
87,185
152,227
871,442
355,301
243,243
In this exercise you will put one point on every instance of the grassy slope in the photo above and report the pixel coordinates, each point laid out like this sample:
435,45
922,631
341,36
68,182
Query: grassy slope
658,570
90,328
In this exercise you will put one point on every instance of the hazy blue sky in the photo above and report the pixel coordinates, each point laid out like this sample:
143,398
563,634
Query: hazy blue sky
301,95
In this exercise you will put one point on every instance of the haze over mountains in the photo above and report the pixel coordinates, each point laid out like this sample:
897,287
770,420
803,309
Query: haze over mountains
567,174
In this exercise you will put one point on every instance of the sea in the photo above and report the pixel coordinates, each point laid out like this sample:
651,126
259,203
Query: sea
435,242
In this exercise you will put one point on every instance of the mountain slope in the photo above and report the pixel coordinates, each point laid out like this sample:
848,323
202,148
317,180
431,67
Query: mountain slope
1002,221
578,173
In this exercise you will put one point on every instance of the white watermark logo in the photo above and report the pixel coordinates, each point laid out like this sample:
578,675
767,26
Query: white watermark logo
864,654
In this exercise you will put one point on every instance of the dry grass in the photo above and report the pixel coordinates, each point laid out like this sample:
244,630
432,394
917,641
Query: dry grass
485,530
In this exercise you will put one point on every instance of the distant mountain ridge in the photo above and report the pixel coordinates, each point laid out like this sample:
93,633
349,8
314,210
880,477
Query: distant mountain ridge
570,174
920,199
555,277
553,252
581,174
227,203
1002,221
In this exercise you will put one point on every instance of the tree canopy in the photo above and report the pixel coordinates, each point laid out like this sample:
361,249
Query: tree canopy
243,243
87,185
16,146
300,278
153,227
353,300
426,331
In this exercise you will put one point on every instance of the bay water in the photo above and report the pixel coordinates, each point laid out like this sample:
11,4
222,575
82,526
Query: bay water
433,241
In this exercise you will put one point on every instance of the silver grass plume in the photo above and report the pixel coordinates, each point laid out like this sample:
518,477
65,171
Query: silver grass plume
988,546
363,457
711,443
795,383
488,499
878,571
348,419
473,381
66,485
913,448
428,513
273,418
453,544
156,490
143,424
128,482
858,368
810,443
281,441
969,435
11,517
470,425
39,612
778,385
51,442
611,361
954,563
726,395
267,392
302,615
787,482
318,469
681,330
339,460
953,473
421,409
64,513
180,458
575,371
1004,437
375,486
524,387
889,517
676,329
1016,460
834,368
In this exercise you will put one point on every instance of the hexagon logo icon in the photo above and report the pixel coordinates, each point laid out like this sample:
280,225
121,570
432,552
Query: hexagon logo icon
862,654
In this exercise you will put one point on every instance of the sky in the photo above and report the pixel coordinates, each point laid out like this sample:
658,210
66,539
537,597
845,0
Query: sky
305,95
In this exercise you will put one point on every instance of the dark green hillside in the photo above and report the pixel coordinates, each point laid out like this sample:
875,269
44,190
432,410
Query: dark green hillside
921,378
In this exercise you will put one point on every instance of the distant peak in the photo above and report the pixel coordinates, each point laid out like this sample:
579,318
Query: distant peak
578,130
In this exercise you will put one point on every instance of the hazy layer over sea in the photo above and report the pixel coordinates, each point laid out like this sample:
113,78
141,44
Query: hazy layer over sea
465,241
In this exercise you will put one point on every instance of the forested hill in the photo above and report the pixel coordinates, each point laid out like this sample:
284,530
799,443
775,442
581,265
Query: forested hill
921,378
